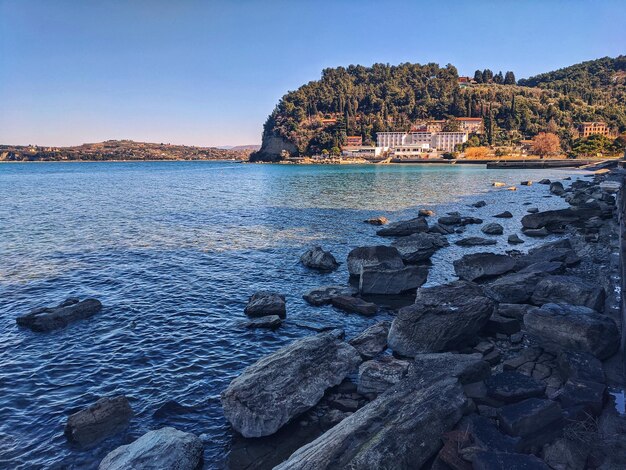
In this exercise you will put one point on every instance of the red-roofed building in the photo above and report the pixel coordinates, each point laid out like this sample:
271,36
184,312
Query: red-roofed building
471,124
353,141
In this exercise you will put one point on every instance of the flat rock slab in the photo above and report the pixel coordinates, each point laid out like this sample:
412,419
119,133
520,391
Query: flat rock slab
580,366
512,386
365,256
568,289
52,318
487,436
503,325
400,429
467,368
514,288
164,449
269,321
265,303
371,342
378,375
103,419
286,383
381,280
478,266
574,328
442,318
589,395
419,247
324,295
404,228
486,460
317,258
354,305
529,416
475,241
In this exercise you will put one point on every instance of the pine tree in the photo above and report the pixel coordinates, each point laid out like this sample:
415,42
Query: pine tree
498,78
509,78
478,76
487,75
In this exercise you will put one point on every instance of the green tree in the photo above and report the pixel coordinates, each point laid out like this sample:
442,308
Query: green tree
509,78
478,76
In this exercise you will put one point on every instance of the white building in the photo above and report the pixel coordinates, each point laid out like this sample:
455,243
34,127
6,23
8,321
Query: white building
447,141
420,142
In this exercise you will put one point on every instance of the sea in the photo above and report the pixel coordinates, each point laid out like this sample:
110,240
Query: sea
173,250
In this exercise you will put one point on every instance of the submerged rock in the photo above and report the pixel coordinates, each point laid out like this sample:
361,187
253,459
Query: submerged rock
373,340
265,303
419,247
51,318
354,305
365,256
324,295
404,228
478,266
475,241
286,383
268,321
317,258
103,419
163,449
443,318
382,280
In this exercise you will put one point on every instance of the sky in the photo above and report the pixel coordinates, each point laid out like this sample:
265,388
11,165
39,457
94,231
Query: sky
209,72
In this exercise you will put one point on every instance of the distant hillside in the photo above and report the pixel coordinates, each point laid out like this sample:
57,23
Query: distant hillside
120,150
362,101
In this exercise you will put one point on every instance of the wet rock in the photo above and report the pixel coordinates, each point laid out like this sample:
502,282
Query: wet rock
450,220
371,342
403,425
492,229
365,256
443,318
515,288
499,324
404,228
478,266
538,232
479,204
324,295
580,366
268,321
468,368
286,383
164,449
589,395
504,215
514,239
532,210
265,303
425,213
544,267
46,319
103,419
572,327
511,386
537,421
317,258
475,241
380,220
552,217
354,305
378,375
487,460
381,280
441,229
419,247
470,220
544,181
171,408
568,289
557,188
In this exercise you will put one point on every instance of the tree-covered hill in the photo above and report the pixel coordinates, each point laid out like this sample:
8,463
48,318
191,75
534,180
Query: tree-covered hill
358,100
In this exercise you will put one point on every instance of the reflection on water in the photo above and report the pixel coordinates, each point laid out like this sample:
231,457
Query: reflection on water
173,249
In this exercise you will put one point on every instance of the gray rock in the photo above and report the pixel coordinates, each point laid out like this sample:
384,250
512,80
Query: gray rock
544,267
536,232
378,375
504,215
380,220
557,188
516,311
400,429
404,228
317,258
365,256
530,417
450,220
265,303
532,210
510,387
163,449
568,289
479,204
515,288
478,266
514,239
371,342
544,181
486,435
503,325
565,454
381,280
468,368
51,318
488,460
580,366
443,318
269,321
493,229
286,383
324,295
103,419
541,219
572,327
419,247
583,393
354,305
475,241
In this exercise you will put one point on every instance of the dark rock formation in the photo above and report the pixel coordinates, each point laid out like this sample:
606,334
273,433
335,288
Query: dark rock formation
103,419
568,289
419,247
514,288
504,215
537,421
378,375
510,387
514,239
373,340
365,256
404,228
286,383
479,266
479,204
475,241
324,295
265,303
268,321
317,258
492,229
354,305
51,318
487,460
382,280
468,368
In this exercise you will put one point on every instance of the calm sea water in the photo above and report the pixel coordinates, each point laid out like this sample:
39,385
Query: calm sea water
173,250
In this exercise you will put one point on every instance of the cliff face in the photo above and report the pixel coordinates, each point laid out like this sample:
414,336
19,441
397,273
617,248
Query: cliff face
273,149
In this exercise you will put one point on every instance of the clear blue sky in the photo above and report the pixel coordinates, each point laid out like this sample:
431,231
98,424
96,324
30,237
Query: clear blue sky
209,72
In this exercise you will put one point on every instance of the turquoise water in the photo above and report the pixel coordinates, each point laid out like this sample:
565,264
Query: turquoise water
173,250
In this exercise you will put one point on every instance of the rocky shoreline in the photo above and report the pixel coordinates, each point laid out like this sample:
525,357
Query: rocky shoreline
511,365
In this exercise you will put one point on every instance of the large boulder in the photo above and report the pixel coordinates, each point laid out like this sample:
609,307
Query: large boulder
317,258
553,217
511,386
442,318
286,383
400,429
382,280
365,256
404,228
325,294
51,318
479,266
574,327
163,449
371,342
419,247
468,368
513,288
265,303
568,289
378,375
103,419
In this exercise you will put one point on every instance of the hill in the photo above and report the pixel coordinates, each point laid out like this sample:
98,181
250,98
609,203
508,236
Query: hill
362,101
120,150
